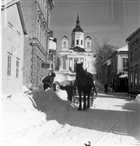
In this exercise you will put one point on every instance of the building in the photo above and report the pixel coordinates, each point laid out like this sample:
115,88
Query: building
115,70
13,33
134,62
80,50
37,16
52,52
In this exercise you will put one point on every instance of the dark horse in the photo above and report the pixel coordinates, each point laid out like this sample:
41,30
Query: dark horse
84,83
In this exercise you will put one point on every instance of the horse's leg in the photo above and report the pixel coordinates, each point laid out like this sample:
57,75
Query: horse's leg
80,100
85,107
88,102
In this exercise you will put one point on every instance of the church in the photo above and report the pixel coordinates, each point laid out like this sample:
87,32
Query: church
80,51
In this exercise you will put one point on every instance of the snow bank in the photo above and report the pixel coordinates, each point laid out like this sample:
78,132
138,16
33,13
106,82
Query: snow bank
138,98
50,103
19,113
62,94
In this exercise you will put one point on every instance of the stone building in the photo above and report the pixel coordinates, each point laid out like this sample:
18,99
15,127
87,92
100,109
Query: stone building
134,62
115,70
80,50
13,33
52,53
37,16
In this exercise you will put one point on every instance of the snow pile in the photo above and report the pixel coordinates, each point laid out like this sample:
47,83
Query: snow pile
25,89
19,113
62,94
138,98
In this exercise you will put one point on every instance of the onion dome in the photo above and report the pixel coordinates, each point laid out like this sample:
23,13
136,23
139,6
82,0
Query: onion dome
77,28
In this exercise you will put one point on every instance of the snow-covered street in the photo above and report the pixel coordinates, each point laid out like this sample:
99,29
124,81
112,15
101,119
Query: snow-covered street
113,120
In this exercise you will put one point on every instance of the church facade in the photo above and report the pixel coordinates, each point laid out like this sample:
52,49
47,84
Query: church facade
80,51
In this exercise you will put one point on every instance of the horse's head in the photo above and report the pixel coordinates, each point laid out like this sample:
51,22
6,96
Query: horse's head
79,67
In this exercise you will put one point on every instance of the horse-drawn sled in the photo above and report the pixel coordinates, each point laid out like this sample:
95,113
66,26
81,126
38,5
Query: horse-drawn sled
76,98
81,89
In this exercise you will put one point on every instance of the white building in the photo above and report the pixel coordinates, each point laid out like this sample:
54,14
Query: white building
13,31
80,50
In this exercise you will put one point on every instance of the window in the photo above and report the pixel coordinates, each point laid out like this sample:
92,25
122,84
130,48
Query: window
135,78
88,45
10,31
131,53
81,42
64,44
125,62
139,76
131,77
18,39
9,65
77,42
17,68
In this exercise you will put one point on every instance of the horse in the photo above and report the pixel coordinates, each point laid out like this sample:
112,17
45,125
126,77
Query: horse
84,83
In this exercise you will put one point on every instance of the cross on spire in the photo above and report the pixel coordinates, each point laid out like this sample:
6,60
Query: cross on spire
78,21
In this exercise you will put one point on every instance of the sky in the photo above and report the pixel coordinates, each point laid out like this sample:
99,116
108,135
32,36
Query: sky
112,19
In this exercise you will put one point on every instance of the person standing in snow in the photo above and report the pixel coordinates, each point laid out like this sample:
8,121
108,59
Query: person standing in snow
106,88
48,81
68,88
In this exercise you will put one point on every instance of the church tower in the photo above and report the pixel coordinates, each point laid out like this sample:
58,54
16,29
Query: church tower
65,45
88,44
77,35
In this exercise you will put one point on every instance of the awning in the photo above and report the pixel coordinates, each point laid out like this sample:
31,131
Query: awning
123,76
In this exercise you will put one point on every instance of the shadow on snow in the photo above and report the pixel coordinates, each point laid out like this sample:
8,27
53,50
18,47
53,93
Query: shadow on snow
119,122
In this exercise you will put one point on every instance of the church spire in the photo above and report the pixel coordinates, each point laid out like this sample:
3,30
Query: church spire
77,22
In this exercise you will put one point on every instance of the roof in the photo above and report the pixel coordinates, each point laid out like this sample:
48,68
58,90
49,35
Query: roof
133,34
10,3
88,37
77,49
125,48
65,37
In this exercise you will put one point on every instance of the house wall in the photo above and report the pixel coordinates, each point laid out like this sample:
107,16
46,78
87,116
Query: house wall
14,47
134,63
36,15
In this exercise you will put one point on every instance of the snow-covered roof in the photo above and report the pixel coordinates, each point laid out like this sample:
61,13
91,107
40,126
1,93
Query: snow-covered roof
125,48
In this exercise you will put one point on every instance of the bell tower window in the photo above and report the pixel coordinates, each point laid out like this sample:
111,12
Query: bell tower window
77,42
64,44
88,45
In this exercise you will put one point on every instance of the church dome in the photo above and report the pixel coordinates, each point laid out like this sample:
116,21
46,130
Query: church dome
77,28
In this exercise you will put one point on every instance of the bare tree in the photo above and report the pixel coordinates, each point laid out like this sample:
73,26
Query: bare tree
103,51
